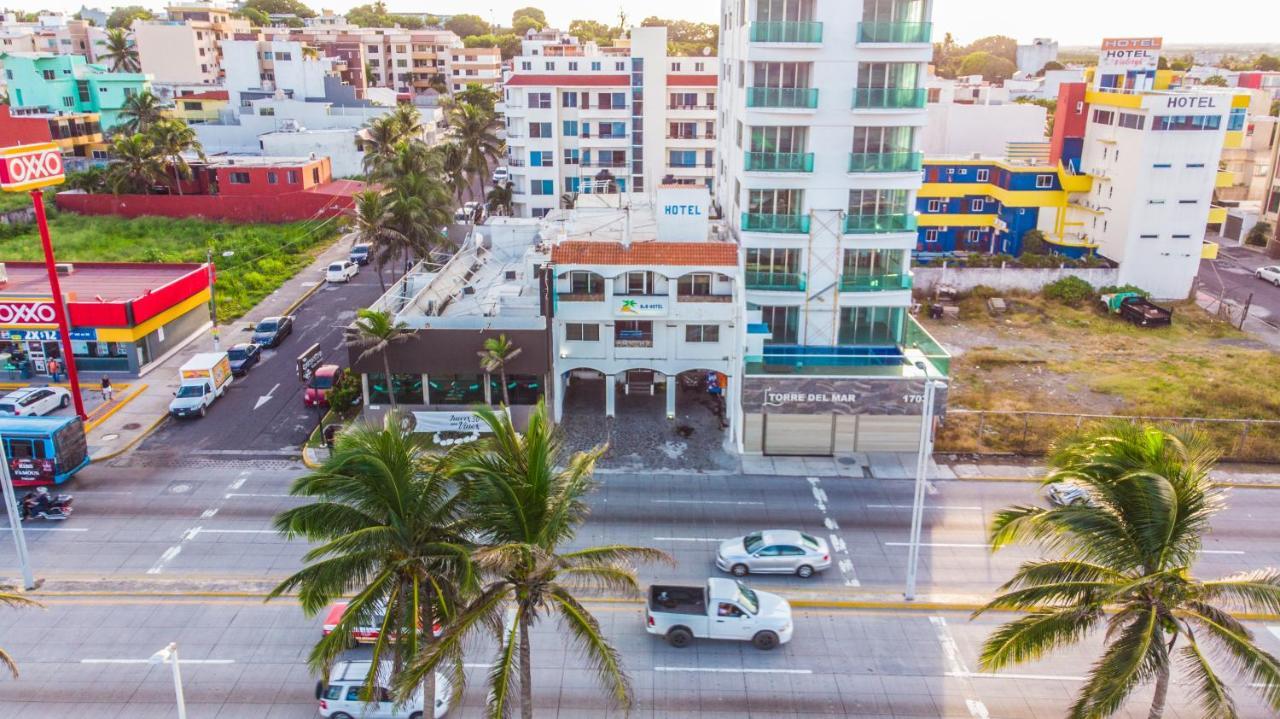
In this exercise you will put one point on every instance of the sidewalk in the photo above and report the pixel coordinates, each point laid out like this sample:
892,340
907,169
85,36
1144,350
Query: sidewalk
134,420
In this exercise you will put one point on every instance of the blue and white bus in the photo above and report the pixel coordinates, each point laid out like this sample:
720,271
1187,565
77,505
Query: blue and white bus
43,450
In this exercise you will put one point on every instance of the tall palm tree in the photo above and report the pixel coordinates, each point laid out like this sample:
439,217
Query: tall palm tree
379,140
9,599
453,164
375,332
371,217
526,500
477,94
500,198
135,165
420,202
120,52
140,112
408,122
1124,563
386,518
497,352
476,130
171,138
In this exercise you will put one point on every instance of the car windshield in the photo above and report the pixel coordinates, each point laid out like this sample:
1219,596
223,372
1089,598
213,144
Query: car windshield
752,542
191,390
748,598
321,382
335,268
265,326
237,354
360,250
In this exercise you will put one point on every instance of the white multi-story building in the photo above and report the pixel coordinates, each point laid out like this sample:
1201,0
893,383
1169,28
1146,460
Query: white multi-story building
1033,57
624,119
479,65
186,48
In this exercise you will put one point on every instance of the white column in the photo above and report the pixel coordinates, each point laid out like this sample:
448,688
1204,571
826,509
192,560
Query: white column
733,411
558,389
610,390
426,388
671,396
488,389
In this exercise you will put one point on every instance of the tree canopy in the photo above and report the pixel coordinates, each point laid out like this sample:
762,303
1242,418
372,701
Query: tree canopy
948,55
1215,81
376,15
685,37
508,43
280,7
522,25
256,17
529,12
1267,63
990,67
124,16
593,30
465,26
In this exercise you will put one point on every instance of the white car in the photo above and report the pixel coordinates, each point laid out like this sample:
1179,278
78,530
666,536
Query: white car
774,551
341,271
342,697
501,175
34,401
1270,273
1068,494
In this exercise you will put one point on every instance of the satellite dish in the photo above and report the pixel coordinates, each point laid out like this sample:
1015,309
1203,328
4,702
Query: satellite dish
706,51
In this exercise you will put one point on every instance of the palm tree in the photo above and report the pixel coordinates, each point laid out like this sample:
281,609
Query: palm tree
135,166
479,95
420,203
568,200
376,332
1124,563
91,179
408,122
526,501
140,112
171,138
120,52
497,352
386,518
379,141
453,163
372,220
500,198
476,131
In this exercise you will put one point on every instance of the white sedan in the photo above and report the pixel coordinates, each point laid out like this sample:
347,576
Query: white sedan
34,401
341,271
1270,273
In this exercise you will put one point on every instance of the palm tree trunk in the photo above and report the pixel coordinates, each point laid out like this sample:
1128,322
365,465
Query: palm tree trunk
391,390
177,179
526,671
502,372
382,280
427,638
1162,691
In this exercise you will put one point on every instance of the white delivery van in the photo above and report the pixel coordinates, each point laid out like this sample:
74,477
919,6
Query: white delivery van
203,379
341,698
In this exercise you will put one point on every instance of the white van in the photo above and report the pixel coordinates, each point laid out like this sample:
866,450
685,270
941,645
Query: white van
341,698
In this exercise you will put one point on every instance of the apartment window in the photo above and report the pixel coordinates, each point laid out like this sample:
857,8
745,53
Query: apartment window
526,66
286,56
1187,202
1044,182
294,177
573,67
1182,237
1132,121
633,333
870,325
783,323
636,283
549,66
585,283
580,332
1162,166
984,175
883,140
675,67
570,128
1182,123
683,158
936,206
1195,165
238,178
612,100
402,63
1149,237
68,101
541,158
772,261
1104,117
697,284
888,76
595,66
542,187
977,205
1237,119
540,129
49,74
778,202
620,66
271,178
779,139
569,99
868,203
702,333
571,157
540,100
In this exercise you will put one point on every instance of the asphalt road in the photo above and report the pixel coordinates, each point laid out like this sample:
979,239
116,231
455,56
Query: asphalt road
1233,270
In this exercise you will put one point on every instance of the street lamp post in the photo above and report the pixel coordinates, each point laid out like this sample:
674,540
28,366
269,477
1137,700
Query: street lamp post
15,521
169,655
922,469
213,300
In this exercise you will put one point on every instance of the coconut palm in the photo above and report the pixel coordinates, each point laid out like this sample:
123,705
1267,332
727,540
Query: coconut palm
477,94
1123,563
371,225
386,518
379,141
453,163
497,352
9,599
500,198
120,53
475,130
136,165
171,138
420,203
526,500
408,122
140,112
375,332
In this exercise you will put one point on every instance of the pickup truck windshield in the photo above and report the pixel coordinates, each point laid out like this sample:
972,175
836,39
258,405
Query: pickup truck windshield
752,542
748,598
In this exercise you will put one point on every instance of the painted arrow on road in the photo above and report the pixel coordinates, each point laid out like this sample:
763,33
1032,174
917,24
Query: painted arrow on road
266,397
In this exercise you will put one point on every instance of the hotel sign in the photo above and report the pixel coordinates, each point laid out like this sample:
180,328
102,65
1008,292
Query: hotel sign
1130,53
30,167
827,395
627,307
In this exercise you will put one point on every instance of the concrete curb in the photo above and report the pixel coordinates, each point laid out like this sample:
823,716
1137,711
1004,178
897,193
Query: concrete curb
302,298
1038,480
130,444
124,400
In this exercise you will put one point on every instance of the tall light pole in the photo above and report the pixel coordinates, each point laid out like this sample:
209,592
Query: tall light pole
213,301
169,655
922,470
15,521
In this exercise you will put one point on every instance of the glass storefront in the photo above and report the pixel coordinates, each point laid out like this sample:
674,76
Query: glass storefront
457,389
523,388
407,388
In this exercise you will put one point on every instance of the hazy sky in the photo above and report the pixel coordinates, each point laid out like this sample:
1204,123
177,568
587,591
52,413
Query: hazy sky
1079,22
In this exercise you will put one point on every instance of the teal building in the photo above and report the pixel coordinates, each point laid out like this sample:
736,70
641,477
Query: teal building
68,84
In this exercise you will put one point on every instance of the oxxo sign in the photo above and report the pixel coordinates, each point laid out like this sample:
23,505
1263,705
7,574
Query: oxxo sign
27,313
30,167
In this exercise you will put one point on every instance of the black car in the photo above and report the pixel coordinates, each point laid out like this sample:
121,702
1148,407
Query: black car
271,331
243,356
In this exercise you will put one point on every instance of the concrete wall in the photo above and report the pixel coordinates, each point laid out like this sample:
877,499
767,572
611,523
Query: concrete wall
956,129
1030,280
292,207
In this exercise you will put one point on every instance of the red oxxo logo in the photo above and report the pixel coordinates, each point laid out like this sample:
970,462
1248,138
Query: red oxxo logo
28,167
27,313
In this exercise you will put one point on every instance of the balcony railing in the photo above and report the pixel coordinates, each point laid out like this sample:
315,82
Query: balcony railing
605,165
889,98
581,297
779,162
601,136
875,283
761,222
886,161
788,97
707,136
779,281
874,224
682,297
902,32
691,107
786,32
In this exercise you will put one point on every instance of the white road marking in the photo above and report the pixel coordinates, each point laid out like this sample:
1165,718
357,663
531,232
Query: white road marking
685,539
236,531
47,529
208,513
240,494
1023,677
940,544
699,501
174,551
939,508
266,397
237,484
1274,629
1222,551
955,663
713,670
148,661
835,541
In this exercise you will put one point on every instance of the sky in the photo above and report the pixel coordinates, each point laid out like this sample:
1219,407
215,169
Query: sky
1079,22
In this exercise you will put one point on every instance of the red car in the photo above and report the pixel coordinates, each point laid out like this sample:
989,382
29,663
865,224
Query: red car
363,635
321,384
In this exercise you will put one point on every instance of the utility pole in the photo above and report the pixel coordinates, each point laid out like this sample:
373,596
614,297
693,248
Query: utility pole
213,301
922,469
15,521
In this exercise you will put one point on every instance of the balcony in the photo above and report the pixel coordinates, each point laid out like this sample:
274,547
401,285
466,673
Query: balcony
784,224
580,297
691,108
886,161
786,32
915,33
682,297
889,98
797,98
779,162
775,281
879,224
875,283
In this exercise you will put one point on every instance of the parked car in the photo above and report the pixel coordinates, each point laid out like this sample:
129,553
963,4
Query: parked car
243,356
774,551
364,634
34,401
723,609
321,384
271,331
360,253
1270,273
341,271
501,175
1067,494
343,697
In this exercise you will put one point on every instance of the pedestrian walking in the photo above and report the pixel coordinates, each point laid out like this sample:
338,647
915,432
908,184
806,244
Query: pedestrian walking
53,366
106,389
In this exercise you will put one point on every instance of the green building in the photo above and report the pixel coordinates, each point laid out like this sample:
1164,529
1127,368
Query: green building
67,83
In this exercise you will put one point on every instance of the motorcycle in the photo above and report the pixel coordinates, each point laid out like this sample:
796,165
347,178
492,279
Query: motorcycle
42,505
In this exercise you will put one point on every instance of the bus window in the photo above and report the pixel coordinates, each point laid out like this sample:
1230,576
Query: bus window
22,449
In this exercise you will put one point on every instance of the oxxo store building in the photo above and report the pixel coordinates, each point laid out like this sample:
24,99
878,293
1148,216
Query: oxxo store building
123,317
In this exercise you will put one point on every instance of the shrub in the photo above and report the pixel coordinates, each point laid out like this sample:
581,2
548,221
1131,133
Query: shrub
345,391
1119,289
1070,291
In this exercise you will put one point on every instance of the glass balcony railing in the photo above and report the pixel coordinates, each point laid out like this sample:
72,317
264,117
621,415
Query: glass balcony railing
874,224
779,162
761,222
789,97
886,161
875,283
903,32
888,98
786,32
779,281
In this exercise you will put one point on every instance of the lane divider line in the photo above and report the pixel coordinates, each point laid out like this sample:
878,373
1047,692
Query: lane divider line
722,670
148,661
836,542
956,665
701,501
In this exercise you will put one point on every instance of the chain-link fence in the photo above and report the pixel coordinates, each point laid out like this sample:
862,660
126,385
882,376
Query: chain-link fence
1032,433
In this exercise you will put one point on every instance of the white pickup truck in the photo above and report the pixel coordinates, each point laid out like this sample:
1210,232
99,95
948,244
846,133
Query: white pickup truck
723,609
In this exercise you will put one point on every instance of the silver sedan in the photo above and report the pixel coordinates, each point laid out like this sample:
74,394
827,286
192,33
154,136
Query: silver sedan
774,551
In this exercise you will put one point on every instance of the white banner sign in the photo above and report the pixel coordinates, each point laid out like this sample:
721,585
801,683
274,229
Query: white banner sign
640,306
448,422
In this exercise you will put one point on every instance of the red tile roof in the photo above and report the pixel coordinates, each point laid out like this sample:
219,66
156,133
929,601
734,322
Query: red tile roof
576,252
209,95
569,81
692,80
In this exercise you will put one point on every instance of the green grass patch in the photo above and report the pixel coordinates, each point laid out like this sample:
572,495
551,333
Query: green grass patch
265,255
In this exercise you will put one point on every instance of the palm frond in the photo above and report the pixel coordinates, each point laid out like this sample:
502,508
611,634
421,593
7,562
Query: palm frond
484,612
1242,654
1210,691
1032,636
1255,591
602,578
502,675
1131,659
603,658
615,553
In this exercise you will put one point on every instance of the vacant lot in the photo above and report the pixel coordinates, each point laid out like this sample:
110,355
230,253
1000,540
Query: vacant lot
1044,357
265,255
